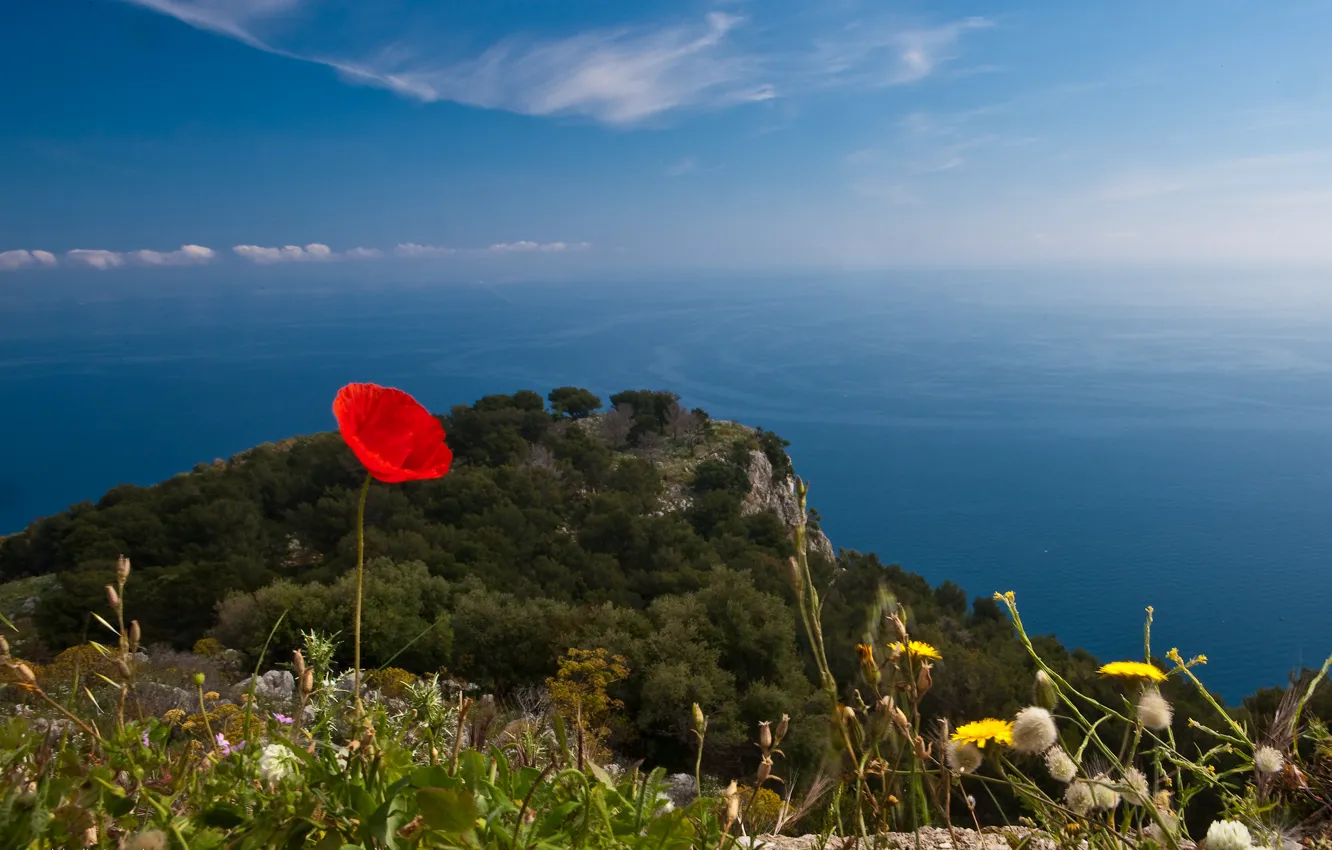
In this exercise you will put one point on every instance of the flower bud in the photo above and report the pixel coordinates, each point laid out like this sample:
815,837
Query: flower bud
868,666
297,663
4,649
765,736
123,666
900,628
900,720
122,570
134,635
112,598
924,681
199,679
1044,693
732,795
764,770
307,681
700,722
781,730
25,673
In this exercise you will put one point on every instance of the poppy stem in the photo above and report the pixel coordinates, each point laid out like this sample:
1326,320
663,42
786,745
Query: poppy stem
360,582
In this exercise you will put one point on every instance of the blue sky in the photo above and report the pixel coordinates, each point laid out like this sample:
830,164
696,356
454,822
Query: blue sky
578,135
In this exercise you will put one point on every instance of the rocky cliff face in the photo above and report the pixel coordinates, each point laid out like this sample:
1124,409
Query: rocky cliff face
767,493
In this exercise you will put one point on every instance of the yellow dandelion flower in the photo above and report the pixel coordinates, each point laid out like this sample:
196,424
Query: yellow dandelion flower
979,732
917,648
865,652
1132,670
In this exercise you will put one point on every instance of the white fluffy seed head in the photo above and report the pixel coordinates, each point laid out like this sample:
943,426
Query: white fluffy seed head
1268,760
1228,835
1104,796
1136,790
963,758
1034,731
1153,710
1061,765
1080,798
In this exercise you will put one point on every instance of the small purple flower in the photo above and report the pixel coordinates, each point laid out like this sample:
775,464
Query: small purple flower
146,744
226,748
282,718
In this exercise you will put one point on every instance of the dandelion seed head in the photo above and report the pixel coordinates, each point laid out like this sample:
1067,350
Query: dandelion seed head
1228,835
1079,798
1061,765
1153,710
963,757
1138,792
152,839
1104,796
1034,731
1268,760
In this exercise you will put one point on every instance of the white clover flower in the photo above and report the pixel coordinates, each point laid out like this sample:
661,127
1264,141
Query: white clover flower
1061,765
1268,760
963,758
1138,793
1080,798
276,763
1034,731
1153,710
1104,796
1228,835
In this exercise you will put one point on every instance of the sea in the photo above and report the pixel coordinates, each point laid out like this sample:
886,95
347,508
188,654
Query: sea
1096,441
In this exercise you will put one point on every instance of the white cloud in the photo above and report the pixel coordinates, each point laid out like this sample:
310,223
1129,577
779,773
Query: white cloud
286,254
363,254
10,260
619,75
411,249
186,255
523,247
95,258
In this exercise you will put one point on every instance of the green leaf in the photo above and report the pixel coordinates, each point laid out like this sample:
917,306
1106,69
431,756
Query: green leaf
451,810
600,773
223,816
432,776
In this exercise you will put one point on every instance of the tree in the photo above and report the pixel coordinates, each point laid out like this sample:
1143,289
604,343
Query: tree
574,402
578,690
681,422
617,424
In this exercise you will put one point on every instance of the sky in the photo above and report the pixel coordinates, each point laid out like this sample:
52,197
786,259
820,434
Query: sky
567,137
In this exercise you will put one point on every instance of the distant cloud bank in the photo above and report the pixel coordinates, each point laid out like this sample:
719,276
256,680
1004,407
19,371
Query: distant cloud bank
198,255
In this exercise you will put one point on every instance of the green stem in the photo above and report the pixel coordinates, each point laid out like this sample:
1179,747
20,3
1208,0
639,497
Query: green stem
360,583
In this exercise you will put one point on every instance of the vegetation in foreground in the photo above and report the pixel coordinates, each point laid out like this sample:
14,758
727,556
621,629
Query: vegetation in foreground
113,746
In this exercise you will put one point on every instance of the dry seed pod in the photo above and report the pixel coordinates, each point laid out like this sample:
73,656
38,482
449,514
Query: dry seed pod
122,570
25,673
112,598
4,649
765,735
781,730
134,635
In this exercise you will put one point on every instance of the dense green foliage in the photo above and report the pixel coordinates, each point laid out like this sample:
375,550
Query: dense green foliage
550,533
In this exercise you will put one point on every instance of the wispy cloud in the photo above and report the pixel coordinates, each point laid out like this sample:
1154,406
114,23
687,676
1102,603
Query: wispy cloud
618,75
411,249
679,169
544,247
10,260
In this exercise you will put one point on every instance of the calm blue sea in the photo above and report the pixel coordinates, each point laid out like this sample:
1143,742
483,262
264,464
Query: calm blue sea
1096,443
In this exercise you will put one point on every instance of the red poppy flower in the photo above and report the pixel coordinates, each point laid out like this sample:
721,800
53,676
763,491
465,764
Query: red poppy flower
391,433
